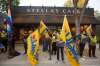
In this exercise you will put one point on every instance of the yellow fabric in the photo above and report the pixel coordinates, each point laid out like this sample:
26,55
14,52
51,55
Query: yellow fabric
80,3
83,36
71,59
93,40
65,30
35,36
30,55
42,27
89,30
69,3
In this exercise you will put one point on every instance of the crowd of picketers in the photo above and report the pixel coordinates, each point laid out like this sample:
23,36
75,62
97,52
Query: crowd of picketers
54,45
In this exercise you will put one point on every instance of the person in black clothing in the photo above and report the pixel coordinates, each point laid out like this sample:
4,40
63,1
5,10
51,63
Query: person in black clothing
60,47
54,48
48,44
44,43
84,40
25,41
92,45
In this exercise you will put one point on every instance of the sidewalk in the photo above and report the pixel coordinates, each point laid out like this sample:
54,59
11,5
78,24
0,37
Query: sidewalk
43,60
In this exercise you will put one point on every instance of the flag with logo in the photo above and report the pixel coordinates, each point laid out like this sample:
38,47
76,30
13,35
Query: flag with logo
33,47
9,21
65,30
66,36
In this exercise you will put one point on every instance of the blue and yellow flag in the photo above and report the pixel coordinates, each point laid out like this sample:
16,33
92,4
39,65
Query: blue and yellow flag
66,36
65,30
9,21
33,44
33,47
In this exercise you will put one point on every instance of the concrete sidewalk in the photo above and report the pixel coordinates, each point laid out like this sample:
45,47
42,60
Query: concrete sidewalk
43,59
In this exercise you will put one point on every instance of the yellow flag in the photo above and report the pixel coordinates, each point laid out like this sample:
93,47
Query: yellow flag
31,53
35,37
31,58
89,30
42,27
80,3
69,3
65,30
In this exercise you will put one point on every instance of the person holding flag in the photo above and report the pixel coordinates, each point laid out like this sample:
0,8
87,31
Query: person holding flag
60,47
67,38
33,45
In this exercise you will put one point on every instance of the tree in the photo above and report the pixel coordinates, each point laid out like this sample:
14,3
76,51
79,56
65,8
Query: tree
4,4
16,2
6,8
78,4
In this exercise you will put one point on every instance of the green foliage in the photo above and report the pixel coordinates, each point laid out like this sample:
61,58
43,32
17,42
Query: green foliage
4,4
15,2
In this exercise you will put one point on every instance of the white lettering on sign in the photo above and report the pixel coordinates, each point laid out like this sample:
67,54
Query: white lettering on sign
57,11
28,10
64,11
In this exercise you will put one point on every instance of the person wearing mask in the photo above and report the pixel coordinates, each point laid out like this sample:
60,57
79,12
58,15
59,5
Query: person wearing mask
92,45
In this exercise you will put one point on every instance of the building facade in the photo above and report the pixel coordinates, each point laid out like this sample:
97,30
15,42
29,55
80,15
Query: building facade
29,17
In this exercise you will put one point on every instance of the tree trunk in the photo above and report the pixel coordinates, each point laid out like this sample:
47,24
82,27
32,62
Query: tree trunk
78,21
82,11
77,24
10,49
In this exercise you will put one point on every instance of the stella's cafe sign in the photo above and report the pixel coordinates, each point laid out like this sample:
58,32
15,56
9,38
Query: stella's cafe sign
52,11
49,10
